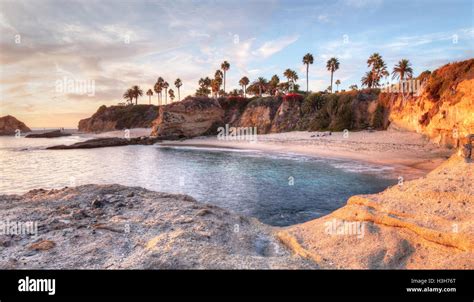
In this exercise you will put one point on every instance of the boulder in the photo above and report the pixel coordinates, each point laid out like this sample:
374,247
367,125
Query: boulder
9,125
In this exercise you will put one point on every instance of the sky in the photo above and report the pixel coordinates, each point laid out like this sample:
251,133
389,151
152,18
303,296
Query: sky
61,60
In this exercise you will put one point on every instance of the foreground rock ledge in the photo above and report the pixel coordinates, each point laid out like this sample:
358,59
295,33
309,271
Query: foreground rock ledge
426,223
117,227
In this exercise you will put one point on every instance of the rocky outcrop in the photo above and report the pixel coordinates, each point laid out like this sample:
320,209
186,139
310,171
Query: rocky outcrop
189,118
9,125
444,110
259,113
50,134
107,142
117,227
425,223
119,118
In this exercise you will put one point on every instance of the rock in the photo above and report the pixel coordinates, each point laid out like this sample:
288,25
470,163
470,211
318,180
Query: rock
108,142
194,116
50,134
131,194
445,118
97,203
9,125
119,117
423,226
161,231
42,245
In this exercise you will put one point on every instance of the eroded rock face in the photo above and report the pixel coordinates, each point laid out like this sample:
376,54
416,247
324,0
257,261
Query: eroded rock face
189,118
425,223
259,113
9,125
447,118
119,118
117,227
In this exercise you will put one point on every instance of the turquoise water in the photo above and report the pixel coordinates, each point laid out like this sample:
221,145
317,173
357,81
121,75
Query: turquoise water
277,189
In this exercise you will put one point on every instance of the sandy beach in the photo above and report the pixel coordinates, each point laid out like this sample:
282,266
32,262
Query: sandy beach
410,154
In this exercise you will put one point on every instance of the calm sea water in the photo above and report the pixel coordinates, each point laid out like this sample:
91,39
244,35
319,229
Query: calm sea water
277,189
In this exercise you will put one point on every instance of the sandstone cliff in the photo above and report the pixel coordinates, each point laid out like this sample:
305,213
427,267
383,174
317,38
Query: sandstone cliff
188,118
425,223
119,118
9,125
444,111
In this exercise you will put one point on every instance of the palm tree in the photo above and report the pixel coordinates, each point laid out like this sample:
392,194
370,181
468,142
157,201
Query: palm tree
129,95
178,84
378,68
149,93
165,87
204,84
338,82
157,89
225,66
307,60
262,84
332,65
215,85
353,87
291,75
136,93
402,70
273,84
368,80
244,81
171,93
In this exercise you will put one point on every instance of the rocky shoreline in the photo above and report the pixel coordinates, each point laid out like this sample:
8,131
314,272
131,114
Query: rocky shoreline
117,227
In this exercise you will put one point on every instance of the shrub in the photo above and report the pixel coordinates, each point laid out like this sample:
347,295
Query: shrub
293,97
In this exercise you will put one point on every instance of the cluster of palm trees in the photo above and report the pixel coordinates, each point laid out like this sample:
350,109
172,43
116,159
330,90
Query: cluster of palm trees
208,85
378,70
161,85
133,93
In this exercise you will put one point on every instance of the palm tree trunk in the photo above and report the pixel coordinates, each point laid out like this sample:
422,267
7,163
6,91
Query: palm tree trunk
179,95
149,100
307,81
332,73
224,81
166,97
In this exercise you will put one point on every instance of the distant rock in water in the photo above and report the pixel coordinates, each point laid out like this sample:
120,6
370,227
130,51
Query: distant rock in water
50,134
9,125
108,142
194,116
119,117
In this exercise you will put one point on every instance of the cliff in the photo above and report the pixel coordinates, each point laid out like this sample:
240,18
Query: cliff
119,118
188,118
444,110
9,125
424,223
